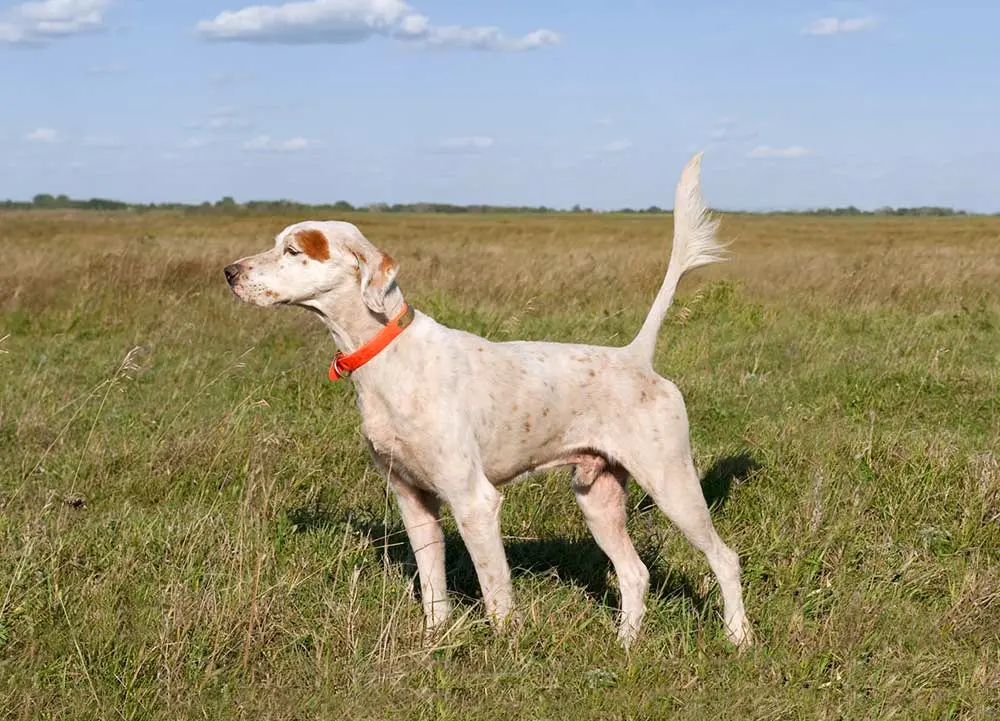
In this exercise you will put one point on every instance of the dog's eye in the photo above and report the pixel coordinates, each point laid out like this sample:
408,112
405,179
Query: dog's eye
289,250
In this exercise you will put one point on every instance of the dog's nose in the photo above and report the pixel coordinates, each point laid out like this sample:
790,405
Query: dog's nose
232,273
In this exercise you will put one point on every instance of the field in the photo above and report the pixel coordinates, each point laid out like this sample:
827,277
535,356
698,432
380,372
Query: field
189,527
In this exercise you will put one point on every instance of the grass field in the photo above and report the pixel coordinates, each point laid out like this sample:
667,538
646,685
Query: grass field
189,527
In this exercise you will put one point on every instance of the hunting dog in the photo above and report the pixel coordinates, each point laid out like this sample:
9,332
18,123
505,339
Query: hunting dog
449,417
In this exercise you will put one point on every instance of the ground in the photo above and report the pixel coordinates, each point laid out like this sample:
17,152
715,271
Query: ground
189,527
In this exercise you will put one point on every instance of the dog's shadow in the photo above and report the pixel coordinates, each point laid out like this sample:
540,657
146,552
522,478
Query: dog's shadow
579,561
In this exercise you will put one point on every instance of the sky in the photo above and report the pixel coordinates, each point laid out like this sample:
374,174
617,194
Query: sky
795,104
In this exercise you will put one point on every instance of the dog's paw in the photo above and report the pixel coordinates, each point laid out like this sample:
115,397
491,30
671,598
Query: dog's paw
741,636
628,633
512,622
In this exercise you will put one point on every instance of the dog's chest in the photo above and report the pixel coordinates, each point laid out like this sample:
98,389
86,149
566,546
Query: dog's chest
378,425
393,434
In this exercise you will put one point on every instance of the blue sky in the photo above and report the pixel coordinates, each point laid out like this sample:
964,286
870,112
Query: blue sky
796,104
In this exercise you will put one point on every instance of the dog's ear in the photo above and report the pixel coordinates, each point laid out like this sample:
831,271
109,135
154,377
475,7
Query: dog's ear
378,276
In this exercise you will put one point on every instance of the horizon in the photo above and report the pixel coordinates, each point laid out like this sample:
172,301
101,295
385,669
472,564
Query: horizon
866,104
48,201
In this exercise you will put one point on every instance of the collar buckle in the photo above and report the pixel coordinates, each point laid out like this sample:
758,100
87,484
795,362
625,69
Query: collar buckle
344,365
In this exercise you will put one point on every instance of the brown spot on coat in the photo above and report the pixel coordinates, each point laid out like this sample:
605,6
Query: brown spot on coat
314,244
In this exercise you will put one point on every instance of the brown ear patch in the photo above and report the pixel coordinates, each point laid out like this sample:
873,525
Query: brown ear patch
314,244
387,263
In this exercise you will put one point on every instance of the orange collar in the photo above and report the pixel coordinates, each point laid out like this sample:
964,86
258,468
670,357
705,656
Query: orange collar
344,365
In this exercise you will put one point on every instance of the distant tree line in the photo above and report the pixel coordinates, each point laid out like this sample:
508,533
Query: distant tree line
227,205
923,210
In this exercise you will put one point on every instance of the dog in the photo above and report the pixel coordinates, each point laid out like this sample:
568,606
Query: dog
450,417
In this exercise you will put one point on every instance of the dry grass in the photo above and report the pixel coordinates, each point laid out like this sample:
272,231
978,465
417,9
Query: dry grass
189,528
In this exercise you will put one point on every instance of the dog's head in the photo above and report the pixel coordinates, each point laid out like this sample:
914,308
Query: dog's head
311,260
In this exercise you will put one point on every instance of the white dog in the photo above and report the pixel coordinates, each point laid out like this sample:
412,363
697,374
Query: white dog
449,416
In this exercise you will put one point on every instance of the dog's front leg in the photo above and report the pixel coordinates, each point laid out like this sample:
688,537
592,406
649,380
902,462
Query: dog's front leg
476,507
421,512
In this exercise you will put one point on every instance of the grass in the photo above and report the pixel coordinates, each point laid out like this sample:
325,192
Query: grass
189,527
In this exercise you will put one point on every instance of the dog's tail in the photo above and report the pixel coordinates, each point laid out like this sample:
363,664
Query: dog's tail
694,245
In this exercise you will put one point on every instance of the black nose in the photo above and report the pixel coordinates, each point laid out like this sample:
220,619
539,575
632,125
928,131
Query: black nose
232,273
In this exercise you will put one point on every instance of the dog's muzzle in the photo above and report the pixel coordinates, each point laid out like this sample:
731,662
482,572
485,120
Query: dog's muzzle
233,273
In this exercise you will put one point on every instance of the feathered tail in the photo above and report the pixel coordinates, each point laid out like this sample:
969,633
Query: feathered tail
694,245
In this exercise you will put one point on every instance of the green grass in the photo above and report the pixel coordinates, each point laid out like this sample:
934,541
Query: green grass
192,530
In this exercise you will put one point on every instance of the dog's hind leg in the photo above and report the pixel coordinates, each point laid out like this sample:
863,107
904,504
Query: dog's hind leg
675,488
659,458
601,495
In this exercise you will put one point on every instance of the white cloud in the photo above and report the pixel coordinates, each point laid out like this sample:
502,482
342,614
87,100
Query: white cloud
263,143
37,23
470,143
723,130
417,28
836,26
194,143
352,21
766,151
728,131
43,135
227,123
616,146
222,119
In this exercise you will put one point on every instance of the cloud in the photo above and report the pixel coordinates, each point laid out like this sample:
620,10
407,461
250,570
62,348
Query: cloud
792,151
263,143
417,28
729,132
42,135
354,21
466,144
194,143
222,119
38,23
616,146
724,129
835,26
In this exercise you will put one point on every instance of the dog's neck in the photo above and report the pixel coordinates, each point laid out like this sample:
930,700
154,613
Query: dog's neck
350,321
